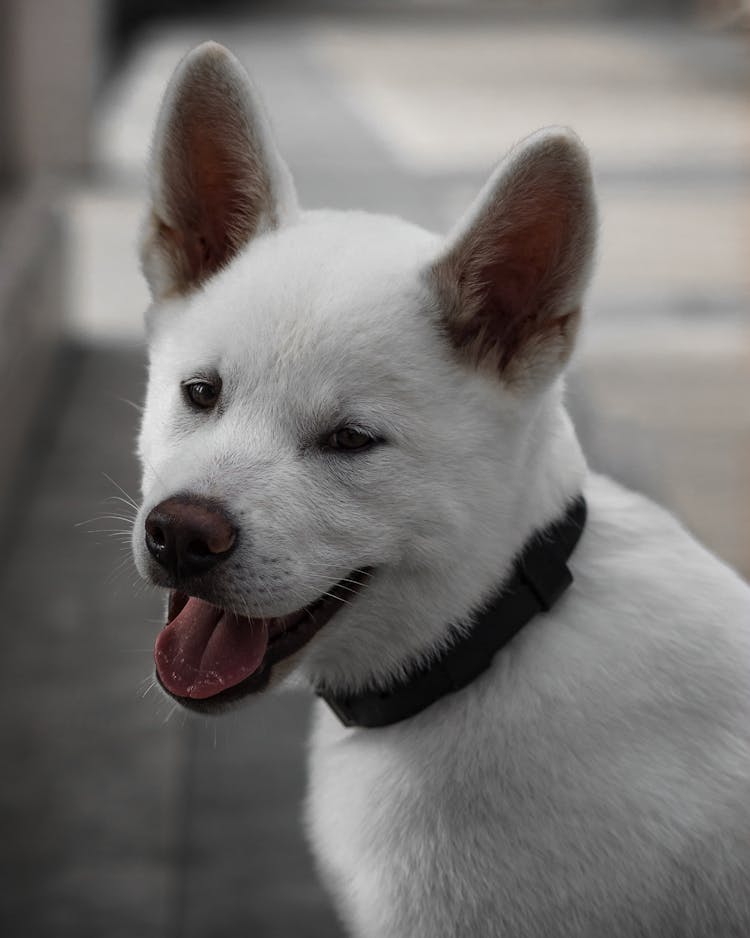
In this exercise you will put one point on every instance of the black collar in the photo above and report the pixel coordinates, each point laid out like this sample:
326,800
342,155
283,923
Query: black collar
539,577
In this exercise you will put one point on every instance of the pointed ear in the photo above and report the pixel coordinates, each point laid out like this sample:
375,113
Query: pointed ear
216,180
511,280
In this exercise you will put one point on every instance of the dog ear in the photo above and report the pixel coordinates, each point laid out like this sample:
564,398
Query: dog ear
217,179
512,278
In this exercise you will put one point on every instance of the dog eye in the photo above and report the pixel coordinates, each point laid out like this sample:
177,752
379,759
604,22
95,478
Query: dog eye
202,394
350,438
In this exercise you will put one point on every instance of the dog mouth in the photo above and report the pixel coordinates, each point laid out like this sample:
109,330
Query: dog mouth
206,653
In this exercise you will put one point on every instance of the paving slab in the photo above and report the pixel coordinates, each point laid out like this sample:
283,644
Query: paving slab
89,776
645,96
250,865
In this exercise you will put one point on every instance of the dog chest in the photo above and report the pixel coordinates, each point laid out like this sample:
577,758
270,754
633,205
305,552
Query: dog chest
583,819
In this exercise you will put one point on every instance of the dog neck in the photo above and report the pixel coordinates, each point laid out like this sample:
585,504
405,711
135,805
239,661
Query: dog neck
538,580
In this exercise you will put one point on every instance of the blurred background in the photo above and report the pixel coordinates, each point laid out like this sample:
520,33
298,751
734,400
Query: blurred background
119,817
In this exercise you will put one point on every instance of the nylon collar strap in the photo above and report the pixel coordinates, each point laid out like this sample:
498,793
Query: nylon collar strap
539,577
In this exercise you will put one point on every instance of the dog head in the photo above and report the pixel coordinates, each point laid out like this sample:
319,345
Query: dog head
351,424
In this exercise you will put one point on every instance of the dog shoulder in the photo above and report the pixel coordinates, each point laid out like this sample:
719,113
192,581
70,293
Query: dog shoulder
653,575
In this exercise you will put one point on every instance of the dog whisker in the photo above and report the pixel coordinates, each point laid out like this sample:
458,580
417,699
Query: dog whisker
123,501
124,518
342,584
118,569
326,593
133,404
339,599
147,685
326,571
130,500
331,579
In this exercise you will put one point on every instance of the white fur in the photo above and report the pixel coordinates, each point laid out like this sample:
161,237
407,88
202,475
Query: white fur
596,779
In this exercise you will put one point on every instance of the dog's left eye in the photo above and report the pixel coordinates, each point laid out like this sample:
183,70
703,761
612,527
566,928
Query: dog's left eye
350,438
202,394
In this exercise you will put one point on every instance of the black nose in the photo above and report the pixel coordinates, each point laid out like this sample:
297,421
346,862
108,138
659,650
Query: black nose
189,535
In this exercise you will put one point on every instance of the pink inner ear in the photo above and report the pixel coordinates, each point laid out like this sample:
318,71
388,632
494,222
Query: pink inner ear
223,216
215,190
216,198
522,277
510,270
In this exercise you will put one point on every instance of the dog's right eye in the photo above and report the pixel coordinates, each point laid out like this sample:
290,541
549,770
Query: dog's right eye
351,440
202,393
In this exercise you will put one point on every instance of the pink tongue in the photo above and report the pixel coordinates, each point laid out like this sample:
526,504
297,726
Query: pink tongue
204,650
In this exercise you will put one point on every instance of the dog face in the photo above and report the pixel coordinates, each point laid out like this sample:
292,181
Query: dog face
345,413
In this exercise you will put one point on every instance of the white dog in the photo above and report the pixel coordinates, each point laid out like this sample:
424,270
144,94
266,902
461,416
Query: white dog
357,469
